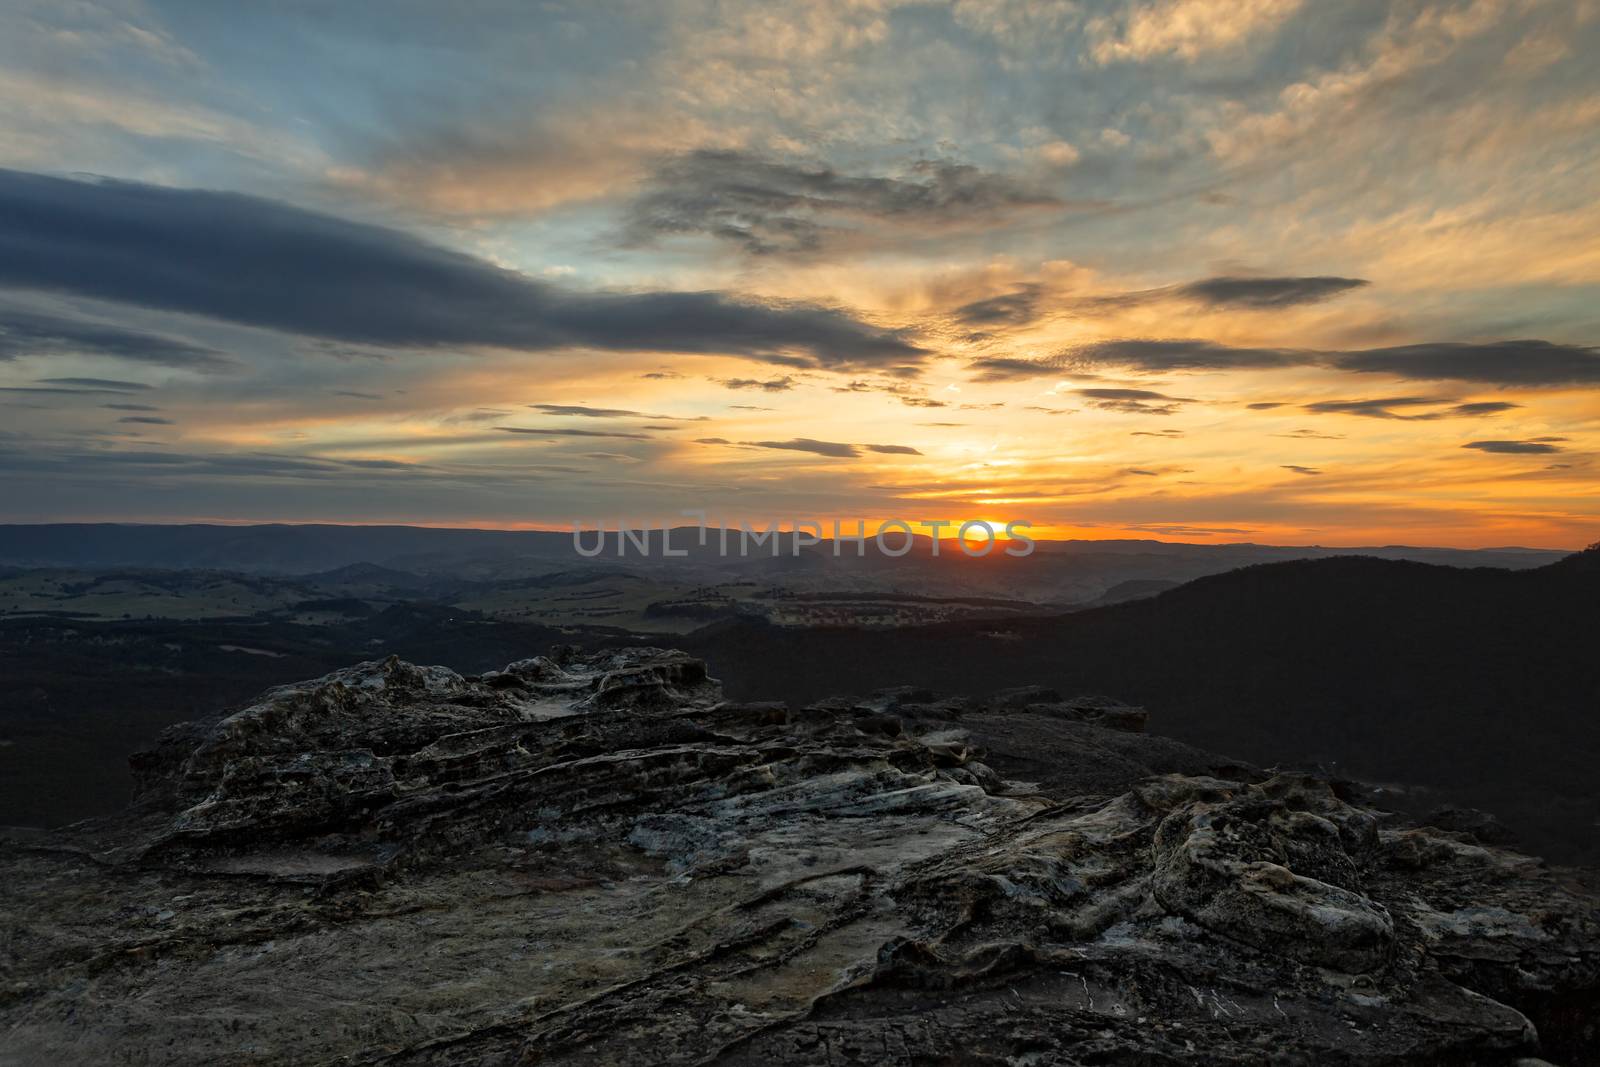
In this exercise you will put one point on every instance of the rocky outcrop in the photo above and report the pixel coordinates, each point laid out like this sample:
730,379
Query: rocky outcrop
597,859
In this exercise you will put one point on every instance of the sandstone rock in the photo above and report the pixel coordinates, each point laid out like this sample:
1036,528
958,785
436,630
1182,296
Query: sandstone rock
596,859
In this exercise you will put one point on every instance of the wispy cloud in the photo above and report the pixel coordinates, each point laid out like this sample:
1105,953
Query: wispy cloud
1133,401
834,449
101,384
1016,308
25,333
1010,368
1385,408
831,449
539,431
769,206
1526,363
769,385
1536,446
1267,293
1311,435
585,412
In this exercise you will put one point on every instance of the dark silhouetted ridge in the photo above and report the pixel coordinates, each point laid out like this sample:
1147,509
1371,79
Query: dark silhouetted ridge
1481,684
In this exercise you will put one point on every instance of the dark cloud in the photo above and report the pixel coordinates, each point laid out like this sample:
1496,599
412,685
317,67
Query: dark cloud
1233,292
831,449
1141,471
1180,354
749,407
1383,408
26,333
541,432
97,384
1311,435
1526,363
356,395
230,466
130,407
1300,470
1017,308
1267,293
1483,407
147,420
59,392
771,385
1157,433
1375,409
661,375
835,449
581,411
1536,446
1134,407
592,413
264,263
1265,405
1129,394
1008,368
1133,401
770,207
910,395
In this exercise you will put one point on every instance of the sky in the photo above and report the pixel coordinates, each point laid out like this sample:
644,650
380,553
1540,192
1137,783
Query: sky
1199,270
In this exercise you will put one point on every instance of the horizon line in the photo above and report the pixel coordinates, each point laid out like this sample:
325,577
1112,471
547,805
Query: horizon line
1034,533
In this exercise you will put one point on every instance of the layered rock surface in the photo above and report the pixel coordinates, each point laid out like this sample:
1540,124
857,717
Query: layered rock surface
597,860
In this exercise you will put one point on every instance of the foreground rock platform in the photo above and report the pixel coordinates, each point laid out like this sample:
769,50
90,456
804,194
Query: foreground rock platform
595,859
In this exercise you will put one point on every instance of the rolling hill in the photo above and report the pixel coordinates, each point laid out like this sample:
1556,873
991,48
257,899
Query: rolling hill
1482,684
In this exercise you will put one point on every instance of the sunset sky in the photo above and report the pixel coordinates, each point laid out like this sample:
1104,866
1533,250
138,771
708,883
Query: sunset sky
1202,270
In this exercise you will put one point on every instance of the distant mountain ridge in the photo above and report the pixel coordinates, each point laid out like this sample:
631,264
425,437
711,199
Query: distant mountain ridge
316,548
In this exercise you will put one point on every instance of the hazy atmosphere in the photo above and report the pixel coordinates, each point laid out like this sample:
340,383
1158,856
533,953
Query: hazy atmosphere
1214,271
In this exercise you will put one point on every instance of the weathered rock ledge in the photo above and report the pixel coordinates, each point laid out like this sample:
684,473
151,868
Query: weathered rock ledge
598,860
